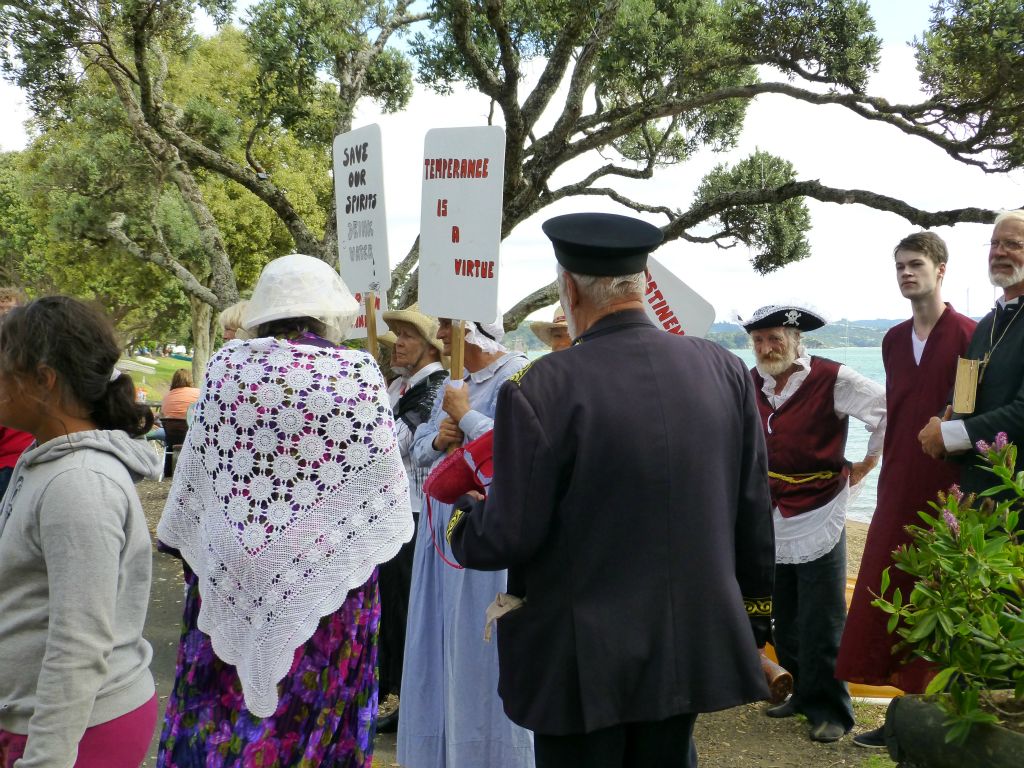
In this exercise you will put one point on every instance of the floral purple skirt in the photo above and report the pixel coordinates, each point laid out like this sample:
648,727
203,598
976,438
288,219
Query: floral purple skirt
326,715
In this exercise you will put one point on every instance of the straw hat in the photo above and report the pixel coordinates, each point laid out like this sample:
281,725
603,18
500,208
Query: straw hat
426,325
543,330
387,339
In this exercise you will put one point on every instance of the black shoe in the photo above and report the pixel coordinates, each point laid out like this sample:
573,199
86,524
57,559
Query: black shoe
387,714
827,732
785,709
871,739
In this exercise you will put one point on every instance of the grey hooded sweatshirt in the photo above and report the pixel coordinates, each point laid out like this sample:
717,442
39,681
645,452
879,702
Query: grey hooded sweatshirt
75,565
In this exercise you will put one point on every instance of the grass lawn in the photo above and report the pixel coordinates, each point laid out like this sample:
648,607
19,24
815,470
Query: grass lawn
158,383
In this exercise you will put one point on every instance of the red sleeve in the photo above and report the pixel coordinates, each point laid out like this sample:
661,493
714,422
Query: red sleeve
12,444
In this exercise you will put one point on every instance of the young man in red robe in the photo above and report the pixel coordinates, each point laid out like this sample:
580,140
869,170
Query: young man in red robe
920,357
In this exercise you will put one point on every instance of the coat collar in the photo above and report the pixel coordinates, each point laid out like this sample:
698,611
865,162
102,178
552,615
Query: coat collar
617,321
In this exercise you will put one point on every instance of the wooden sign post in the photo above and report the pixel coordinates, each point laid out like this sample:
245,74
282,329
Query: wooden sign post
673,305
460,228
362,226
370,313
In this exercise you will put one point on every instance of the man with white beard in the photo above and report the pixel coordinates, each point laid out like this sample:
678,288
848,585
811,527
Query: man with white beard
805,403
998,342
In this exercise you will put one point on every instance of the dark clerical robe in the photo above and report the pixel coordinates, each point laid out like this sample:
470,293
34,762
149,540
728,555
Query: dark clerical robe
630,505
1000,403
909,479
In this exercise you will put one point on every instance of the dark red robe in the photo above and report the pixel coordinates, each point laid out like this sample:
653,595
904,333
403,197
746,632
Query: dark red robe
909,479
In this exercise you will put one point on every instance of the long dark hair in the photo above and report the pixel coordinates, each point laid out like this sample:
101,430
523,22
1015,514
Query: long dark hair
78,342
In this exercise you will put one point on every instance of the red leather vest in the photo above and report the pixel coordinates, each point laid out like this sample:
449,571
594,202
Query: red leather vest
805,435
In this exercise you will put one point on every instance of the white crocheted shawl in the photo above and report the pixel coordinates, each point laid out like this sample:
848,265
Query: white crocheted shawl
289,490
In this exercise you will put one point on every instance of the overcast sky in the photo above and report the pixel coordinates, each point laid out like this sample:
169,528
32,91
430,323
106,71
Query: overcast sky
849,273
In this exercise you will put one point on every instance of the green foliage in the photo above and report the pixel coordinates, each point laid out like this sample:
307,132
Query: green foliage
776,230
674,50
304,51
831,40
534,27
970,62
964,612
17,230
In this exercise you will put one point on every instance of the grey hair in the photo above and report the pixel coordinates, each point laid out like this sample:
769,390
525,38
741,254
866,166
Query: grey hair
601,291
1017,215
231,318
795,335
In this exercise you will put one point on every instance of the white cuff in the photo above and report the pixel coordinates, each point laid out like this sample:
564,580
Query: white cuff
955,437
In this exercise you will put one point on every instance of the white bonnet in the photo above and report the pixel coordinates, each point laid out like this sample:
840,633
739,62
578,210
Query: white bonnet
297,285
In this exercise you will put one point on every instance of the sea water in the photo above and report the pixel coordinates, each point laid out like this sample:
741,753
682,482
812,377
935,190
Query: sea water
868,362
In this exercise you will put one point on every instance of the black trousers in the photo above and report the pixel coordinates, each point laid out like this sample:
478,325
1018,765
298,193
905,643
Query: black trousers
394,579
809,606
661,744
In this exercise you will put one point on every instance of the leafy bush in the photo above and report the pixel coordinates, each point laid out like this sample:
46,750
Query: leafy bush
964,612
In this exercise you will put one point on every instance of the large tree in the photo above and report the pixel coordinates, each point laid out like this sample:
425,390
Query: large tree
640,84
291,86
626,85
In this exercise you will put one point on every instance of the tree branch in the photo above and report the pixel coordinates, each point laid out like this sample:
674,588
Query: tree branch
400,277
818,191
487,81
542,297
189,283
602,128
264,189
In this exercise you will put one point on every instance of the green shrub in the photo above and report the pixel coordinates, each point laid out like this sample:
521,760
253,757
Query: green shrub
964,612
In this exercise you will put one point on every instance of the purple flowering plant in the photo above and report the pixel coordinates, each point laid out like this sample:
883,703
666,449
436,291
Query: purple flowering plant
964,613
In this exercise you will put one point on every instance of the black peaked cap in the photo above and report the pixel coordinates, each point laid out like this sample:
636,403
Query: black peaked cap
602,244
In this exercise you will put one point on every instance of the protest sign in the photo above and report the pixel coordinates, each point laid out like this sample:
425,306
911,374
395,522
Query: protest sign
460,222
673,305
362,221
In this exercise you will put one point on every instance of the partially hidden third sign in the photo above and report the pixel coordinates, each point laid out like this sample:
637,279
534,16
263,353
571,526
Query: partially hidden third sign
362,221
674,306
460,222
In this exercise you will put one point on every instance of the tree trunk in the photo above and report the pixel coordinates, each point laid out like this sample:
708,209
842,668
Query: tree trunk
203,333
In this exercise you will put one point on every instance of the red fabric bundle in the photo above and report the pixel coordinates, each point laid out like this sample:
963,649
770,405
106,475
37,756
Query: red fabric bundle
467,468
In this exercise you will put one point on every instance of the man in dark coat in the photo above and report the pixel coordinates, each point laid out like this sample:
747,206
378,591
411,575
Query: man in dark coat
998,342
630,505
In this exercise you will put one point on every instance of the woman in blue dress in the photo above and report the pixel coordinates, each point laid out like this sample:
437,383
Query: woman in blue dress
452,716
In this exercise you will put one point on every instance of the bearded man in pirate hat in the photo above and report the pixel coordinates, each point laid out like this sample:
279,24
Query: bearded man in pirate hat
805,403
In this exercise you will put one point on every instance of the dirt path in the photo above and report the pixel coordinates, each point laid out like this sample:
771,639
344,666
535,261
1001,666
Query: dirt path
737,738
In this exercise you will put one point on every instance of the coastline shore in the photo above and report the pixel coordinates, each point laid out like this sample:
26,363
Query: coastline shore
856,535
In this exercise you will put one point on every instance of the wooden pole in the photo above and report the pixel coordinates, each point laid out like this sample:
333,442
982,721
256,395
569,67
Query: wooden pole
458,339
458,348
370,299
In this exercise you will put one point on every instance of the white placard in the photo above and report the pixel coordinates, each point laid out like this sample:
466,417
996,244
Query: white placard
362,222
358,329
673,305
460,222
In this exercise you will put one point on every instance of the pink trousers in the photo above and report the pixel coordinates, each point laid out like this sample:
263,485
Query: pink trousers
120,743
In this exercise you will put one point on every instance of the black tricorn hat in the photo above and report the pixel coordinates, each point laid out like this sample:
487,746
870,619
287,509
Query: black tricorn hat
602,244
787,316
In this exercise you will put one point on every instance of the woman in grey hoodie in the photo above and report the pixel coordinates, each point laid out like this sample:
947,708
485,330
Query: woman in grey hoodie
75,557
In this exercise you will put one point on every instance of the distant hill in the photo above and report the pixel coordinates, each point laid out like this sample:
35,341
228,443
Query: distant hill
840,333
